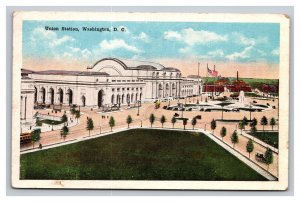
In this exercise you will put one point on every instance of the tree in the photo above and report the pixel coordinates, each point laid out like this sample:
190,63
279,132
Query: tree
90,125
64,132
64,118
223,132
184,122
73,111
162,120
38,122
152,119
35,136
264,122
272,122
250,147
253,122
213,125
253,130
245,121
111,122
77,115
173,120
268,157
234,138
241,126
194,122
129,120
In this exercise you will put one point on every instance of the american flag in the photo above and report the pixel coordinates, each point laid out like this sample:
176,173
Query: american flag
213,73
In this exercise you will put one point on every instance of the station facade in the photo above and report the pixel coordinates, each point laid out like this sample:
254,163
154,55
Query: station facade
108,82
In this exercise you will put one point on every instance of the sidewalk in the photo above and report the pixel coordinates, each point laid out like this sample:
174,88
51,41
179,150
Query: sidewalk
234,152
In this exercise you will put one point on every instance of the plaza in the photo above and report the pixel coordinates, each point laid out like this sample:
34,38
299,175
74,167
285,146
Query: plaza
132,88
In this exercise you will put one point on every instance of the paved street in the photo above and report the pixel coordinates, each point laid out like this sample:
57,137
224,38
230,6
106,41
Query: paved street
79,132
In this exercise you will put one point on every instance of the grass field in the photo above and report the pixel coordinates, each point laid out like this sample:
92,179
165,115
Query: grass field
138,154
51,122
269,137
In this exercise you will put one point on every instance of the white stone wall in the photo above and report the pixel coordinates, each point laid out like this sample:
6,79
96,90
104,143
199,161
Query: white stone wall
27,101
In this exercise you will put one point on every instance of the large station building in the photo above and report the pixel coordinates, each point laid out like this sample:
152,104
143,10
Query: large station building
108,82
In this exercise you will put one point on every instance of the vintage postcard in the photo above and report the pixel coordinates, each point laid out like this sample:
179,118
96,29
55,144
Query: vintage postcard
150,101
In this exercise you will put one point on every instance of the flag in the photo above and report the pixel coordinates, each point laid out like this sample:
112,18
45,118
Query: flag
213,73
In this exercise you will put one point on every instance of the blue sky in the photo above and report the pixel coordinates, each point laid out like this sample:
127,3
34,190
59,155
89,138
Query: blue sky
222,42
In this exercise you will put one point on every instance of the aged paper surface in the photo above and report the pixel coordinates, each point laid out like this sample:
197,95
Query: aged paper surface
150,101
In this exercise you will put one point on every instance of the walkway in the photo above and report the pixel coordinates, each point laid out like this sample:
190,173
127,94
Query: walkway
234,152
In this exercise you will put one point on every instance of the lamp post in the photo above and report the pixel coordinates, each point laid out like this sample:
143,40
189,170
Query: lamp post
250,109
138,108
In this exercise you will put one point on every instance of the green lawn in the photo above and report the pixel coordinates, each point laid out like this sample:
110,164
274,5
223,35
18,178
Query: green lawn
269,137
138,154
51,122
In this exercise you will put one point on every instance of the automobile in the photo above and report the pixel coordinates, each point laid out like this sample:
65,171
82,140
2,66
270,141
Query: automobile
254,101
169,108
198,117
165,107
274,107
176,115
260,157
175,108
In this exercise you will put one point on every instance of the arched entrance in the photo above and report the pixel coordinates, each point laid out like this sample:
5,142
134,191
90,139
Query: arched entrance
167,90
132,98
83,100
123,98
173,90
100,98
70,96
43,95
128,99
160,90
60,96
112,99
118,99
51,95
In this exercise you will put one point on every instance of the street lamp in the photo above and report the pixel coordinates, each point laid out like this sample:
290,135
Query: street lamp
250,107
138,102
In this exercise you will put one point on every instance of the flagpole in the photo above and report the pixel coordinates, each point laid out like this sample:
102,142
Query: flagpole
198,85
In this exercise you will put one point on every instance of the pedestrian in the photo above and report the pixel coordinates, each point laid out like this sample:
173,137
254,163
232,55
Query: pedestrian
40,146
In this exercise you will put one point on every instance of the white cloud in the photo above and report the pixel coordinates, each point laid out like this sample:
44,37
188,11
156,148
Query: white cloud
49,37
192,37
86,53
243,40
117,44
171,35
216,53
275,51
240,55
74,49
144,37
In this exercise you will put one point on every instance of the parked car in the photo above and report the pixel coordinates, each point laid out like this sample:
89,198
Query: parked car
260,157
176,114
198,117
